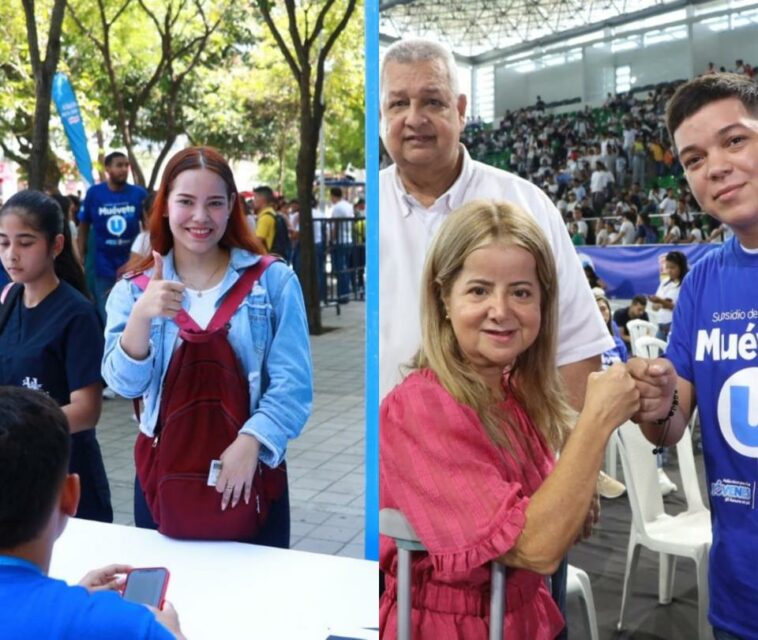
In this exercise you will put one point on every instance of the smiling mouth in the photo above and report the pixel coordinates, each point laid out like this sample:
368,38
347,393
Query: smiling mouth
419,139
200,234
726,192
500,334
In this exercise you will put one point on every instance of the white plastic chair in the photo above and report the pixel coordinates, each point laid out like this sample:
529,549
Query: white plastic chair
392,523
649,347
638,328
687,534
578,584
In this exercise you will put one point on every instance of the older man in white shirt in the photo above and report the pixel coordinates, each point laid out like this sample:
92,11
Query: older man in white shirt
423,114
422,117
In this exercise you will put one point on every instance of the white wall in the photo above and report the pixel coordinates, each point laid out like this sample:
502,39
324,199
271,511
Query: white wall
594,77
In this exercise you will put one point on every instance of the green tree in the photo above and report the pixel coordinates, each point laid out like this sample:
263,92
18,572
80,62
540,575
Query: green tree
148,49
312,30
26,78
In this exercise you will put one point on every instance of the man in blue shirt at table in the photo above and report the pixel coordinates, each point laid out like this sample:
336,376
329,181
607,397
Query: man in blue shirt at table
113,209
38,495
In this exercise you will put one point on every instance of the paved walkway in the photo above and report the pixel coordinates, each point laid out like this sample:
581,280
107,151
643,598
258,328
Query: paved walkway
326,463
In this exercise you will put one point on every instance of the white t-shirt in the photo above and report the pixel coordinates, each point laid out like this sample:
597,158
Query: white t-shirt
406,229
668,206
668,290
141,244
627,232
343,209
600,180
202,304
676,234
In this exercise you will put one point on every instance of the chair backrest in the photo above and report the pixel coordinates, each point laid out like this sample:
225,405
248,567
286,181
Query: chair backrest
688,470
638,328
640,475
649,347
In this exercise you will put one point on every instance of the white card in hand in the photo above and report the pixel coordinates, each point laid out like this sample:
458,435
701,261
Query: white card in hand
213,472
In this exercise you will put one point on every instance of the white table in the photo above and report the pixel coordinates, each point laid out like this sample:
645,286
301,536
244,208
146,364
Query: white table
230,590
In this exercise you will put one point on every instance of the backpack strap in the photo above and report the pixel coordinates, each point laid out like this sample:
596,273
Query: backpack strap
237,294
8,298
224,313
232,300
183,319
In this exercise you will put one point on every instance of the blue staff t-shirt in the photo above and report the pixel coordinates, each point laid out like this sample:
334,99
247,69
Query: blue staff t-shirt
115,218
37,606
55,347
714,345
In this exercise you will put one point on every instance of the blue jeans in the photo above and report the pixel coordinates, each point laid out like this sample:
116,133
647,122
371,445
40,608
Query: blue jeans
340,268
275,532
719,634
100,291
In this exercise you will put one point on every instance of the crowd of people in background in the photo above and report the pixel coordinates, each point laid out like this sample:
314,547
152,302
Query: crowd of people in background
271,215
611,171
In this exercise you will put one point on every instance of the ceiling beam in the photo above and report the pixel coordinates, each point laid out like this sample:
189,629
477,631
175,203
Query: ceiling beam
497,54
388,4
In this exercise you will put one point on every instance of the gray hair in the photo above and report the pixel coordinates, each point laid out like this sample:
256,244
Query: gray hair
418,50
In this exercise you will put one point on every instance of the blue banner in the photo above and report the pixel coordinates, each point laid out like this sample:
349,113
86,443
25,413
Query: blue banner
68,109
635,269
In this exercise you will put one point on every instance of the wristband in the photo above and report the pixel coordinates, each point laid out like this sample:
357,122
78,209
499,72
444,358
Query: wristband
666,422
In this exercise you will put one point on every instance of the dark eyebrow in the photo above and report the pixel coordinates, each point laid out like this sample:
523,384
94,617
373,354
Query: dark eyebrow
518,283
720,133
190,195
20,235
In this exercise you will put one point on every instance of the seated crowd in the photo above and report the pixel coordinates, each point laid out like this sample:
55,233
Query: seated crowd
611,171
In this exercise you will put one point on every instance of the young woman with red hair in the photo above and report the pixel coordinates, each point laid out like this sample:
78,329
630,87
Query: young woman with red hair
201,245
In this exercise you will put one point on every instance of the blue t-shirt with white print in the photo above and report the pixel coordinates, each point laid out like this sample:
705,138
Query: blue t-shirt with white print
714,345
114,216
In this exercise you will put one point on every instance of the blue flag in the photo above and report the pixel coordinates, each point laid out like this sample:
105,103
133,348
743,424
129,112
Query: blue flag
71,116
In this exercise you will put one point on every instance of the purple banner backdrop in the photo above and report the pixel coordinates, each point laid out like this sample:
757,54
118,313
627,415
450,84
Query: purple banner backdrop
629,270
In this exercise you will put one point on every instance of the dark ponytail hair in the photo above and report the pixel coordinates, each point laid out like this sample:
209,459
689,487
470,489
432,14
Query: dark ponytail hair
43,214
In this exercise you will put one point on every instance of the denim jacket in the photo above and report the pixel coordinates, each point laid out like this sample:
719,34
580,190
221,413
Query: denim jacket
269,333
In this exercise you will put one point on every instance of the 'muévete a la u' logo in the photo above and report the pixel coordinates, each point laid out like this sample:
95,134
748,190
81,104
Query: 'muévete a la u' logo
738,415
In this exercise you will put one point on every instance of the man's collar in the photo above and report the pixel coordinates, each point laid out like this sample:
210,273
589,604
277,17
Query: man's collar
455,194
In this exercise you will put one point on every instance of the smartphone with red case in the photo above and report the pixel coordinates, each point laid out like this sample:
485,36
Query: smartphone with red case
147,585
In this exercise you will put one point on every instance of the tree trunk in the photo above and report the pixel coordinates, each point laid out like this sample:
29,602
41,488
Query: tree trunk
306,171
40,137
43,72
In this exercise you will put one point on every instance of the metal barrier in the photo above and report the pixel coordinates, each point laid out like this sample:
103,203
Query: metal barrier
340,255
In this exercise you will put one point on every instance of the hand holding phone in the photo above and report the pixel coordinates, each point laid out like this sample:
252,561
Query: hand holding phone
147,586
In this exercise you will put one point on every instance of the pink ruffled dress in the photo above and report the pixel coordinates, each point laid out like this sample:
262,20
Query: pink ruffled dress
466,498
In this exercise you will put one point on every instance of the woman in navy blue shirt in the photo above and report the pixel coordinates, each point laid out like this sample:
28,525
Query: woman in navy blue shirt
52,340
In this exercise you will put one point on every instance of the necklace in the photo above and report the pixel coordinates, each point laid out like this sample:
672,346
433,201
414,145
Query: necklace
199,290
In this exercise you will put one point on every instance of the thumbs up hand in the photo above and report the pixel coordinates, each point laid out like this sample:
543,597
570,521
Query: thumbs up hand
157,266
162,298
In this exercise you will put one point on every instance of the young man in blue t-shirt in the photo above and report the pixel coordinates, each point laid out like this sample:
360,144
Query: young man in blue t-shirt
113,209
712,357
38,495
